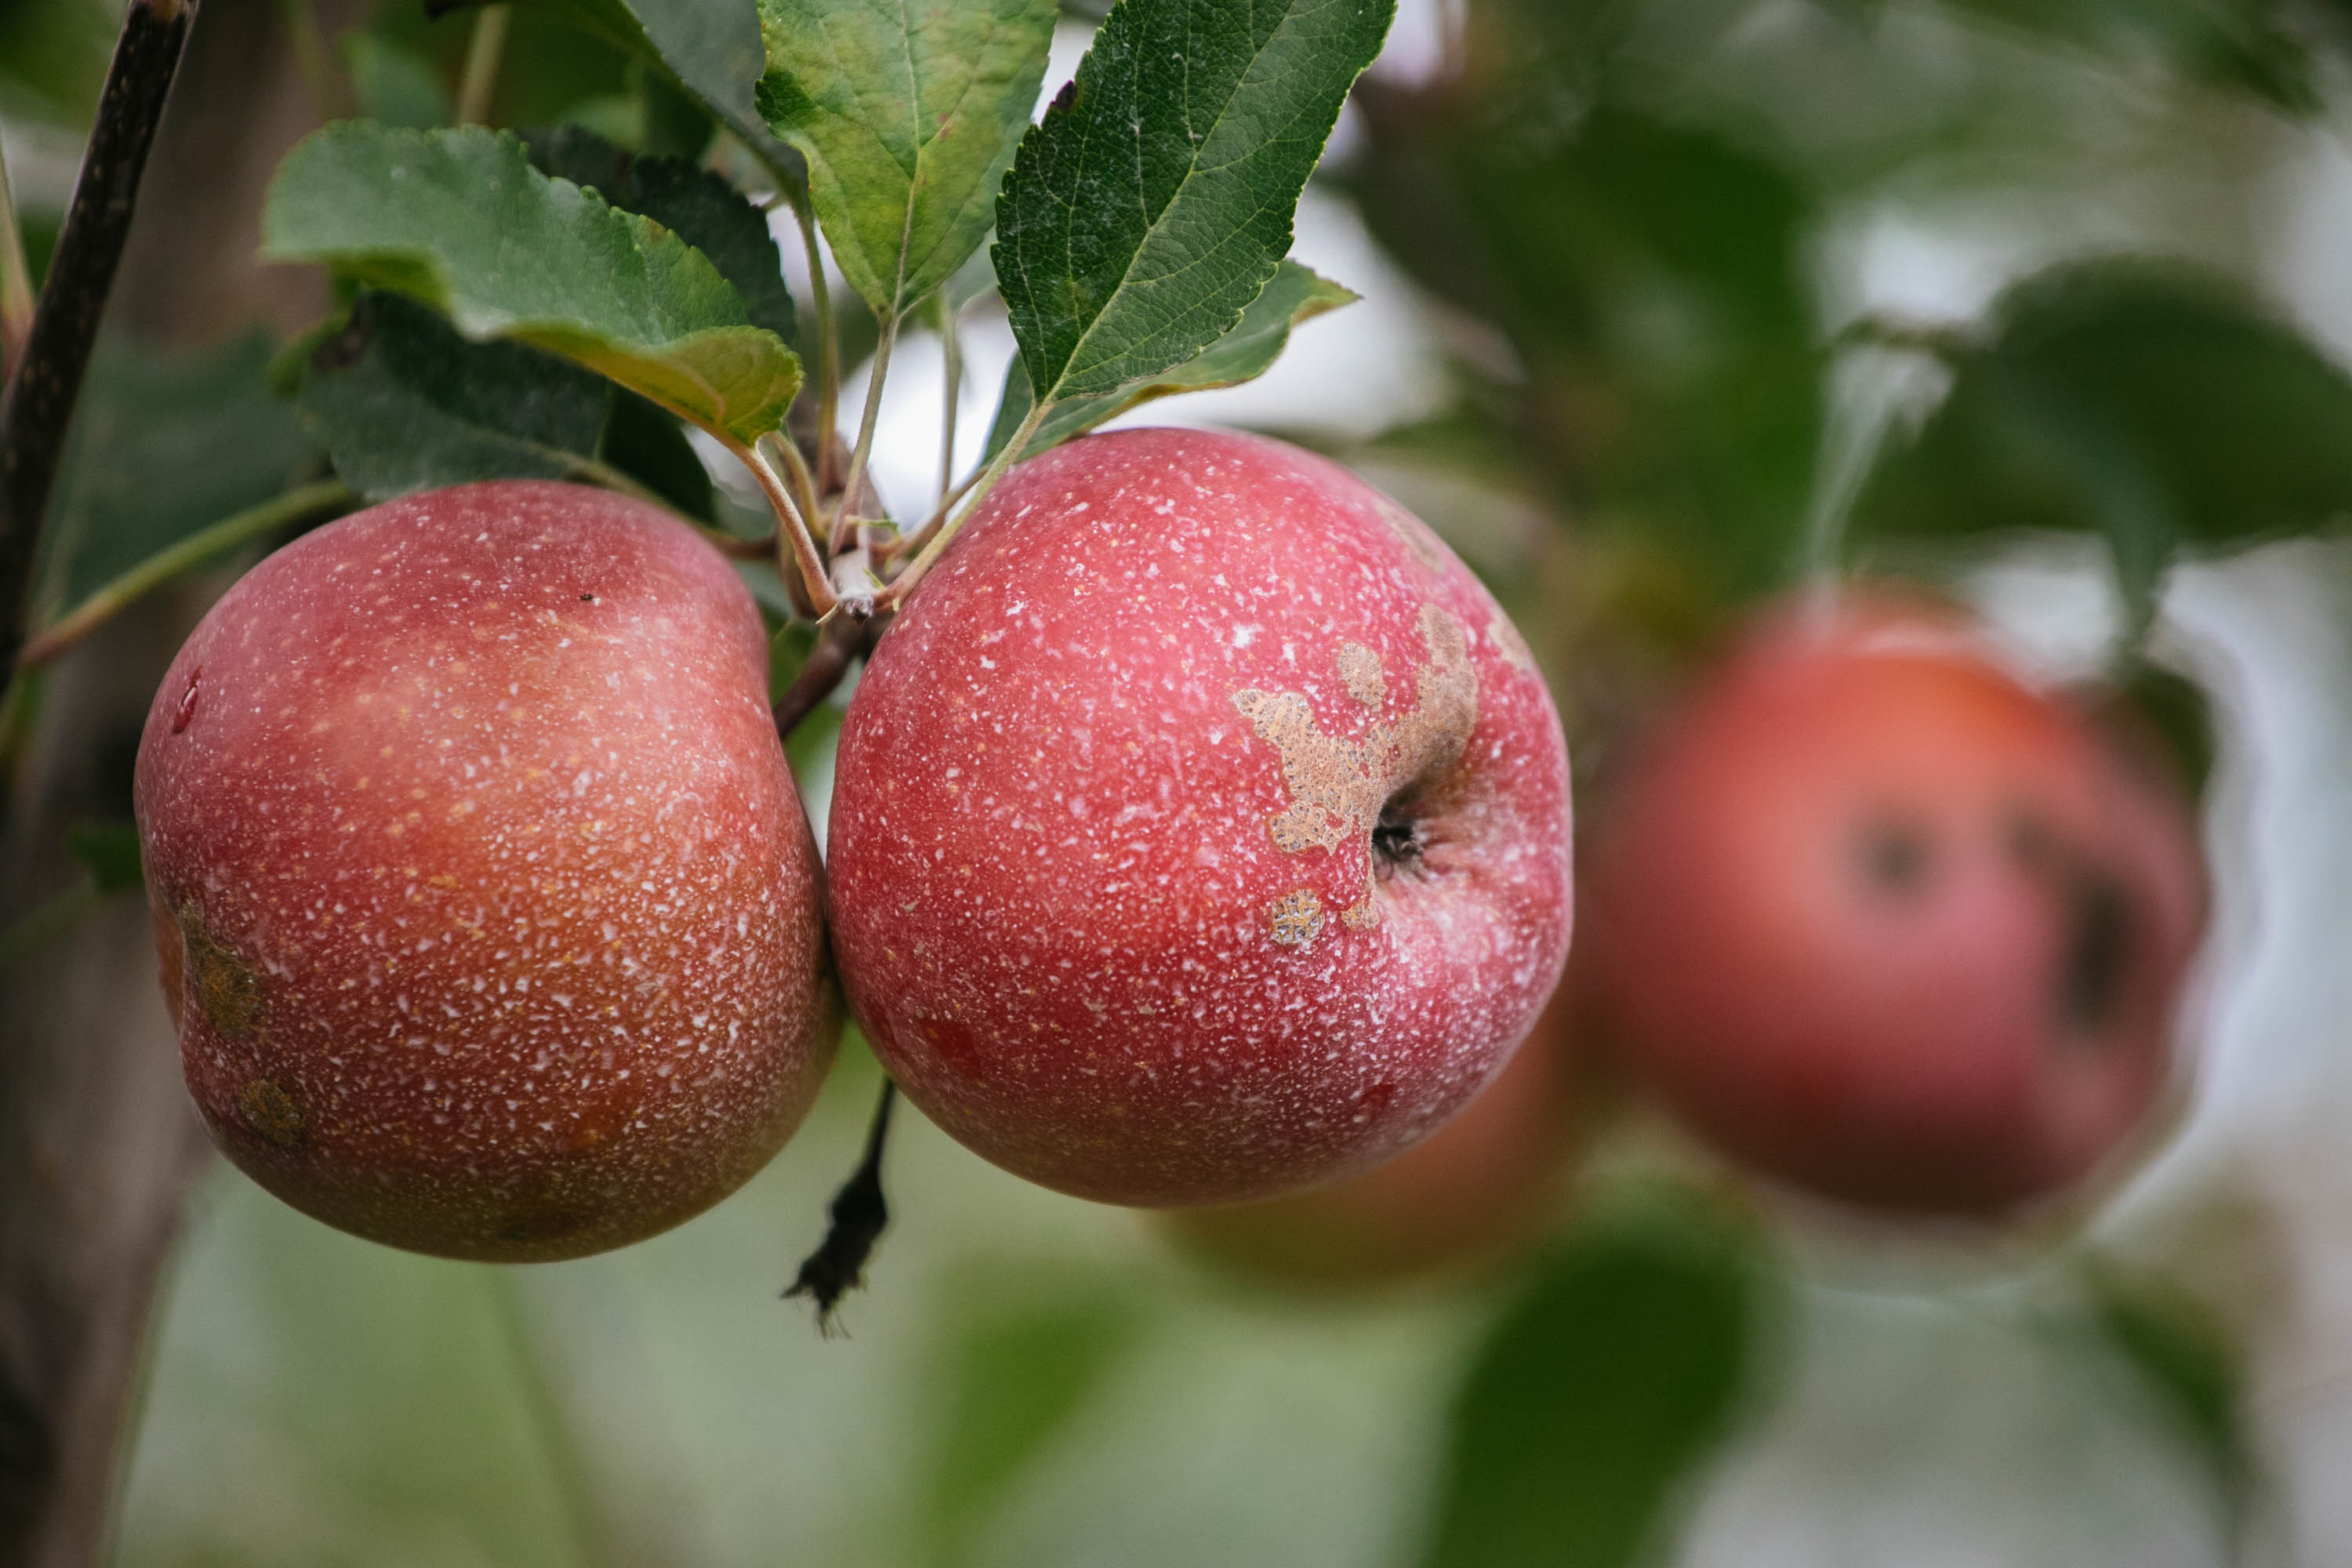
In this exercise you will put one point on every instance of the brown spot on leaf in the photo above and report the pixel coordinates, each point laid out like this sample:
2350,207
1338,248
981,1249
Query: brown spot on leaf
271,1111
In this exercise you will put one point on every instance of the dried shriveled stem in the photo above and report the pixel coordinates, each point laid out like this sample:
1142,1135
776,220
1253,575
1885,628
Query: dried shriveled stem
854,1222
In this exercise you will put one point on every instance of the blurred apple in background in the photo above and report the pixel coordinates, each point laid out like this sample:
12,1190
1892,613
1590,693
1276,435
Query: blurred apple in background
1870,913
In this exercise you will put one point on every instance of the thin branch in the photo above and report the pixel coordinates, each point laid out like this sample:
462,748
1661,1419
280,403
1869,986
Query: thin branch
797,469
904,584
854,1222
39,399
479,88
795,528
845,522
15,281
103,605
828,340
839,641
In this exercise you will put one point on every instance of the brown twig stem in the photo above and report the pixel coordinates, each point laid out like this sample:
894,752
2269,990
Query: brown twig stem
839,641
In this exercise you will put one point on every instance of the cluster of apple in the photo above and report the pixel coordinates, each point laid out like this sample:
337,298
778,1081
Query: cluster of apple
1201,835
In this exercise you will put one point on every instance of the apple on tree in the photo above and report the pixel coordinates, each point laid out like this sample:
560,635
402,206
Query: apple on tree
1873,915
1201,827
488,915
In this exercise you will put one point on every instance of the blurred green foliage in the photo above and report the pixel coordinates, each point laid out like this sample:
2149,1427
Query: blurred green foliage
1617,1368
165,441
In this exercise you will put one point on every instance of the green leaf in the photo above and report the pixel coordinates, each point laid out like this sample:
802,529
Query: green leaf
402,402
907,112
2159,408
1154,201
1297,294
1009,1380
710,48
109,851
2180,1350
395,85
1654,280
2247,46
460,220
692,201
166,441
647,443
1592,1401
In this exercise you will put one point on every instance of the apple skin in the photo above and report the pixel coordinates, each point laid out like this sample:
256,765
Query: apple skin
489,917
1104,893
1873,915
1478,1189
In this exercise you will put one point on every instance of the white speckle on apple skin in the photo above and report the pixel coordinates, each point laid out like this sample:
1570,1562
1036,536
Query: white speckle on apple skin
489,916
1140,1003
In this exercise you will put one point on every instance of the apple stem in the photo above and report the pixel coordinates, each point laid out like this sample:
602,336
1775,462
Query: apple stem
38,400
15,281
828,338
844,519
478,86
111,600
794,530
838,642
797,469
904,584
854,1221
951,371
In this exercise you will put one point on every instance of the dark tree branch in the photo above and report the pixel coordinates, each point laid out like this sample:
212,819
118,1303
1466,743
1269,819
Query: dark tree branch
854,1221
839,641
40,400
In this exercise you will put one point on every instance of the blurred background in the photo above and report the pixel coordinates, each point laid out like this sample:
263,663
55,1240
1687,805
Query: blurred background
1665,304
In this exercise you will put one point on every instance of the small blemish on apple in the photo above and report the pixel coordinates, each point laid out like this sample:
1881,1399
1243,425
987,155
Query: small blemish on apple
271,1111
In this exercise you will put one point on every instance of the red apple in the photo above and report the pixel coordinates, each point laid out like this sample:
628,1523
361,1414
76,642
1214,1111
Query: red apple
488,912
1482,1184
1875,915
1201,827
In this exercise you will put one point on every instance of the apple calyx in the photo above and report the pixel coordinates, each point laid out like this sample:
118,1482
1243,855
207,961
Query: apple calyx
1343,789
